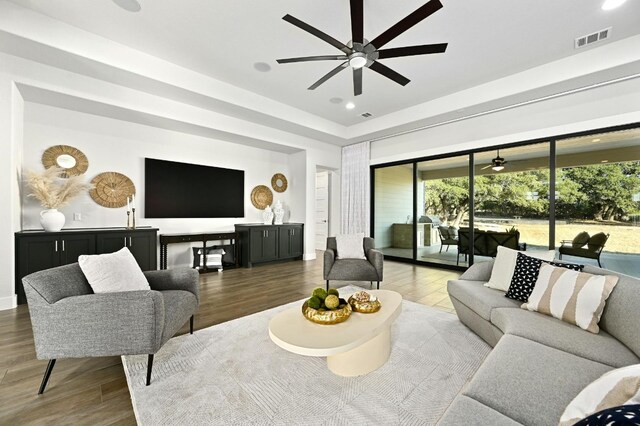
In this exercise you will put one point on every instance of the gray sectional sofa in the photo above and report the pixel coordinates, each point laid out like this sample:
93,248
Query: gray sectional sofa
539,363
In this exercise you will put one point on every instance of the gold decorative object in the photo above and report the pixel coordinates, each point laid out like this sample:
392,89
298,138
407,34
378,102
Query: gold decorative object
279,182
326,317
261,197
111,189
71,160
367,307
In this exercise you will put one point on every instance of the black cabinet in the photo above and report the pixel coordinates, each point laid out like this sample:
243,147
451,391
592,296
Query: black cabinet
39,250
141,243
265,243
290,244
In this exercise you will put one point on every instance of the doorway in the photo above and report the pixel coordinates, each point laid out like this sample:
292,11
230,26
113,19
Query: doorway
322,209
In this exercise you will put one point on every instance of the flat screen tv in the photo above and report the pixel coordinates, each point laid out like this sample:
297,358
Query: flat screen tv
181,190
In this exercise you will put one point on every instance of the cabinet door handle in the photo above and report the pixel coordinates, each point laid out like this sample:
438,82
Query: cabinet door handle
62,245
130,242
267,233
56,245
125,241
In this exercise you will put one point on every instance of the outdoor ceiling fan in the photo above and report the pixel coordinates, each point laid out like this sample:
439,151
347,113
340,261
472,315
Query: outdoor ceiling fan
360,53
497,163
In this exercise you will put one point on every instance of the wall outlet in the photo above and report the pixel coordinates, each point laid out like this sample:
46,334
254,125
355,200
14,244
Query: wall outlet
77,217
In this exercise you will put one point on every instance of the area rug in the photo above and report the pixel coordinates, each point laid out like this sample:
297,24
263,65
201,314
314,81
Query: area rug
233,374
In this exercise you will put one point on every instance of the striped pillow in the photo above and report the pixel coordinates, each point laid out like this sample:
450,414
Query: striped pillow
617,387
575,297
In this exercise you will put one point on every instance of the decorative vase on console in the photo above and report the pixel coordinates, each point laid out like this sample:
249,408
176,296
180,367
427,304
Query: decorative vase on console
53,191
278,211
267,216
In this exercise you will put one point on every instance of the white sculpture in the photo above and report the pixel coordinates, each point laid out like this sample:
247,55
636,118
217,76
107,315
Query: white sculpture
278,211
267,216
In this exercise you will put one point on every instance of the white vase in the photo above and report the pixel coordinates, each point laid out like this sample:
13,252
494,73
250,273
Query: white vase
52,220
267,216
278,212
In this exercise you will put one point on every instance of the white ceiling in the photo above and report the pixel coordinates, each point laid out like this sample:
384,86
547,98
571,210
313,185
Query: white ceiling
488,39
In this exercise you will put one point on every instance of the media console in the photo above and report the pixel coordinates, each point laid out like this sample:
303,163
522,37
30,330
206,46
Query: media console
166,239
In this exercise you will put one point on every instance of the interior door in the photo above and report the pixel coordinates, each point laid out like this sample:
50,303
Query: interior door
322,210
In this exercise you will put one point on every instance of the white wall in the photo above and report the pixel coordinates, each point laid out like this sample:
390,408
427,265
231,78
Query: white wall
114,145
394,201
610,105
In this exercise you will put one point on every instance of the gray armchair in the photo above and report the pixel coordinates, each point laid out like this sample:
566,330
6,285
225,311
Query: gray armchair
369,269
70,321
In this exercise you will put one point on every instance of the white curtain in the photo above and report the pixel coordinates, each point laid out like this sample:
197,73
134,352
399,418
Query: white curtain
355,189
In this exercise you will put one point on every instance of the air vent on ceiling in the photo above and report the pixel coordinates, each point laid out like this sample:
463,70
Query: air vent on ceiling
366,114
592,38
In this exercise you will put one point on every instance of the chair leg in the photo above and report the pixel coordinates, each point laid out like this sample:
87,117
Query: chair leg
327,285
599,264
191,325
378,285
47,374
441,247
370,284
448,248
149,367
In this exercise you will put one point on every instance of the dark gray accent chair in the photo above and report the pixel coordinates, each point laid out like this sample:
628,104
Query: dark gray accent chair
69,320
369,269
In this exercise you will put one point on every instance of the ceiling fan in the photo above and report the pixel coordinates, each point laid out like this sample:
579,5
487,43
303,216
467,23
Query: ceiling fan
361,53
497,163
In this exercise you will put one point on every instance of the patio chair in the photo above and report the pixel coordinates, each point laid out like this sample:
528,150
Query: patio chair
576,247
448,236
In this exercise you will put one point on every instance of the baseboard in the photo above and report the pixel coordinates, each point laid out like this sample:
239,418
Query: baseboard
10,302
309,256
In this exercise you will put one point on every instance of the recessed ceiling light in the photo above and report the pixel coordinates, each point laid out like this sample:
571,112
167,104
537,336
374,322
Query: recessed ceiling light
129,5
612,4
596,140
335,100
262,66
350,105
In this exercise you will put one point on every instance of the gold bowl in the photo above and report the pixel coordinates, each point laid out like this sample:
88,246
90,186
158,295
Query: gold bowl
365,307
326,317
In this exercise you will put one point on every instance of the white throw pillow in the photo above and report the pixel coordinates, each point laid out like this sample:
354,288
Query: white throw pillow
505,264
113,272
612,389
350,246
571,296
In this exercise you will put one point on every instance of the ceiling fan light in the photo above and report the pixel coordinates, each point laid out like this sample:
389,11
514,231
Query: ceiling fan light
612,4
358,60
497,168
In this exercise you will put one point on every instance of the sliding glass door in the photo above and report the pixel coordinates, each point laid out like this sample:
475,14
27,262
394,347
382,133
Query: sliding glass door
393,217
442,209
598,192
511,199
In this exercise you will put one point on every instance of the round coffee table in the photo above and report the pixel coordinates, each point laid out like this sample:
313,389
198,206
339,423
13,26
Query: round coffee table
355,347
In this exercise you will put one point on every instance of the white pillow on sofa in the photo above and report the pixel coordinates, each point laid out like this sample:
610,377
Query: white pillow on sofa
350,246
112,272
614,388
505,264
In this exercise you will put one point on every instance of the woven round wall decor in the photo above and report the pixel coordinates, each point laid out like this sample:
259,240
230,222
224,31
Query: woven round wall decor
71,160
111,189
279,182
261,197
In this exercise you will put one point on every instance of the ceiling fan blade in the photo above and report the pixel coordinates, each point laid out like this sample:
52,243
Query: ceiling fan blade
486,167
327,76
425,49
316,32
312,58
389,73
357,81
357,21
409,21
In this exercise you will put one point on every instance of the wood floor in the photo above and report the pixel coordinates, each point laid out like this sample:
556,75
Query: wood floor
93,391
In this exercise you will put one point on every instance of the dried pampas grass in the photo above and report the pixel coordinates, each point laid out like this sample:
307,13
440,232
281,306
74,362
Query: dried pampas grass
52,190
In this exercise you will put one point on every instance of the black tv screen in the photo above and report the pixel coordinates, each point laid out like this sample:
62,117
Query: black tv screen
180,190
